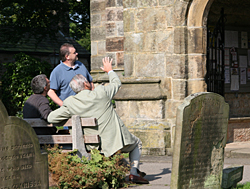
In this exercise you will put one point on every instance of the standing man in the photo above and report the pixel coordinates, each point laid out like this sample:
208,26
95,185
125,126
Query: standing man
37,105
97,103
64,72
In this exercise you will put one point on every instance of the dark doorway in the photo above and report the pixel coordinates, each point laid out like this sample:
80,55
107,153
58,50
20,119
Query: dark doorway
215,56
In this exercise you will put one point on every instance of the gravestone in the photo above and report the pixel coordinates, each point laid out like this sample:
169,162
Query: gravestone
21,163
200,138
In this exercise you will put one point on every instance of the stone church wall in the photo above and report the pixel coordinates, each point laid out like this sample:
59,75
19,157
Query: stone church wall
148,40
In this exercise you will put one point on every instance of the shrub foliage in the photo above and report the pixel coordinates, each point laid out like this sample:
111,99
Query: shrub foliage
15,88
69,171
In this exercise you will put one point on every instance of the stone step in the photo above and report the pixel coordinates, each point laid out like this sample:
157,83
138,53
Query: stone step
238,150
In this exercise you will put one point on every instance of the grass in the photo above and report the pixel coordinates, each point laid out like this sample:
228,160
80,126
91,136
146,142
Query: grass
243,186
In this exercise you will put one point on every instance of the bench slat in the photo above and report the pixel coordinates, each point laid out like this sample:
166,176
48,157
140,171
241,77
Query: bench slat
86,122
66,139
94,139
54,139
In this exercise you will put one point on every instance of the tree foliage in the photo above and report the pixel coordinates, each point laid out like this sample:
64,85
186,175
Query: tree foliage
15,88
23,19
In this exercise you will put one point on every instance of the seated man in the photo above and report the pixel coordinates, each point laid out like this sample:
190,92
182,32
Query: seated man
97,103
37,105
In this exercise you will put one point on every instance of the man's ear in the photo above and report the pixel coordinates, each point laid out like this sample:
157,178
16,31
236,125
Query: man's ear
87,85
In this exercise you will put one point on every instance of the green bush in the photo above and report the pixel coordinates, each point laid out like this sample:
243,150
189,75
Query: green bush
243,186
69,171
15,88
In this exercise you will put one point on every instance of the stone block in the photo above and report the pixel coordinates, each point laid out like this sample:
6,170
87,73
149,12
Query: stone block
115,44
146,109
171,108
111,15
96,62
149,65
149,42
169,13
114,14
147,124
113,56
176,66
96,20
93,48
101,47
196,40
133,90
133,42
166,2
129,20
103,18
98,33
152,139
111,29
165,41
146,3
179,89
119,28
196,66
97,6
128,64
180,40
119,3
167,139
196,85
129,3
110,3
122,109
151,19
119,16
120,58
166,85
179,13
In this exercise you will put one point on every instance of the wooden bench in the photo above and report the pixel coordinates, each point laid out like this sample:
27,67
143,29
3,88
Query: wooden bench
76,138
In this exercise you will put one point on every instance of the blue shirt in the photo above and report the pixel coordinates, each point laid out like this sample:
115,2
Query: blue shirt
61,76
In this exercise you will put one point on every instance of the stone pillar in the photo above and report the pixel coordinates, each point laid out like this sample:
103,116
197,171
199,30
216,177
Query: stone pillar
98,32
114,32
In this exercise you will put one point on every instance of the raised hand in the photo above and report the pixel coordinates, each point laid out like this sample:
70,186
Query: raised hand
107,64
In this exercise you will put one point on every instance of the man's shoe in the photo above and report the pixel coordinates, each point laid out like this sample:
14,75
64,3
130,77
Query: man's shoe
142,174
138,179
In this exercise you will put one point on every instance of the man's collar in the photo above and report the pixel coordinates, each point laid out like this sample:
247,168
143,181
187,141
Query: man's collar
67,67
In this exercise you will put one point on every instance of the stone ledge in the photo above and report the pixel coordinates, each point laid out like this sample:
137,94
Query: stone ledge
133,88
140,91
239,119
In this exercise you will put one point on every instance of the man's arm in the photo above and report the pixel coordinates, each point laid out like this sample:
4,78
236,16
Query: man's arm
93,86
52,94
59,115
44,108
114,81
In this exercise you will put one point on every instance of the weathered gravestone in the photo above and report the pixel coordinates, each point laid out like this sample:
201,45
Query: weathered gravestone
21,163
200,138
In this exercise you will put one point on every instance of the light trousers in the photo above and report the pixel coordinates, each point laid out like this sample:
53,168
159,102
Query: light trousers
134,151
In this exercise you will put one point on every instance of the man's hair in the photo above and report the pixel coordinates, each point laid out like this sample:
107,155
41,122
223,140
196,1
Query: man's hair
77,83
64,50
38,83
